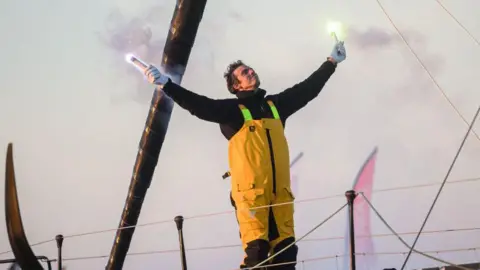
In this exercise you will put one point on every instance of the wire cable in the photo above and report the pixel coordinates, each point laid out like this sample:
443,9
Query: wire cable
32,245
338,238
298,261
430,251
424,67
298,240
458,22
390,234
426,185
403,241
186,218
458,181
441,187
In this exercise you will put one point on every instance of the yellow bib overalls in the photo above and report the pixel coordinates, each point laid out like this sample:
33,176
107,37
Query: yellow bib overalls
260,176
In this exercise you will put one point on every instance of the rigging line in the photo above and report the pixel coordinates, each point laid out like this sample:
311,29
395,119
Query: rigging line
341,238
403,241
441,187
171,251
267,206
299,239
232,211
337,238
299,261
458,22
263,206
95,232
390,234
80,258
32,245
121,228
429,251
425,68
328,197
426,185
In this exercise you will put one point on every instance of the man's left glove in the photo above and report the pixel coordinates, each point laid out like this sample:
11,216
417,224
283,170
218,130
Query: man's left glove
154,76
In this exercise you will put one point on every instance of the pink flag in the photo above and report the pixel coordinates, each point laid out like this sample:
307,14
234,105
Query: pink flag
363,240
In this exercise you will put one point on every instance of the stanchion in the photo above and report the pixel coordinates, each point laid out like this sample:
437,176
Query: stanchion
59,239
350,194
179,222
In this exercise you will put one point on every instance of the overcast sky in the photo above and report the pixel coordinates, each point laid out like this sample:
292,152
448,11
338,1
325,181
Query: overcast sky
75,112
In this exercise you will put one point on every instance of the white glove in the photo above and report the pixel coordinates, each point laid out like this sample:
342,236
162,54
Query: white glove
338,52
154,76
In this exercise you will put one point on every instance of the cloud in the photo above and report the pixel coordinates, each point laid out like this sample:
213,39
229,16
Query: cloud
145,36
371,38
378,38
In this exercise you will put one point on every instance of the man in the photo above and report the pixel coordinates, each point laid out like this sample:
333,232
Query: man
258,151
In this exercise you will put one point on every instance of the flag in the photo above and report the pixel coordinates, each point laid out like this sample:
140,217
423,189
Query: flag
363,240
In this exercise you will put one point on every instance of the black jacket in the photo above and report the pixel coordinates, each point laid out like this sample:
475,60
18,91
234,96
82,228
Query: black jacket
227,113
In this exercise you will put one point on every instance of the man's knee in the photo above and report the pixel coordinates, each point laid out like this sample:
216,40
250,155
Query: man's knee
287,256
256,252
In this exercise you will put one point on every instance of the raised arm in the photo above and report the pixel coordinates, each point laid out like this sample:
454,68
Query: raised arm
212,110
296,97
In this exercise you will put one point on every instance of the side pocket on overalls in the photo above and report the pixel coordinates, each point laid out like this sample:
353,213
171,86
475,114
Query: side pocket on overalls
252,215
286,213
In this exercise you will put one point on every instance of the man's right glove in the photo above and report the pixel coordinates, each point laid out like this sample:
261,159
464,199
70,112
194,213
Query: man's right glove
154,76
338,53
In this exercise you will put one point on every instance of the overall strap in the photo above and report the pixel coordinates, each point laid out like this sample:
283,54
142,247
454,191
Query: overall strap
276,115
246,113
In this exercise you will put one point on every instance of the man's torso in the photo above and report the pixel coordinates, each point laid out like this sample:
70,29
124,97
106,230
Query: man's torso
258,107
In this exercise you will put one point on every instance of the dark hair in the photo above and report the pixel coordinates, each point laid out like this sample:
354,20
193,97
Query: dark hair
229,77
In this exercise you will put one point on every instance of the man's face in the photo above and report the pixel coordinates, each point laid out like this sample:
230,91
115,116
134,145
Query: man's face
247,78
